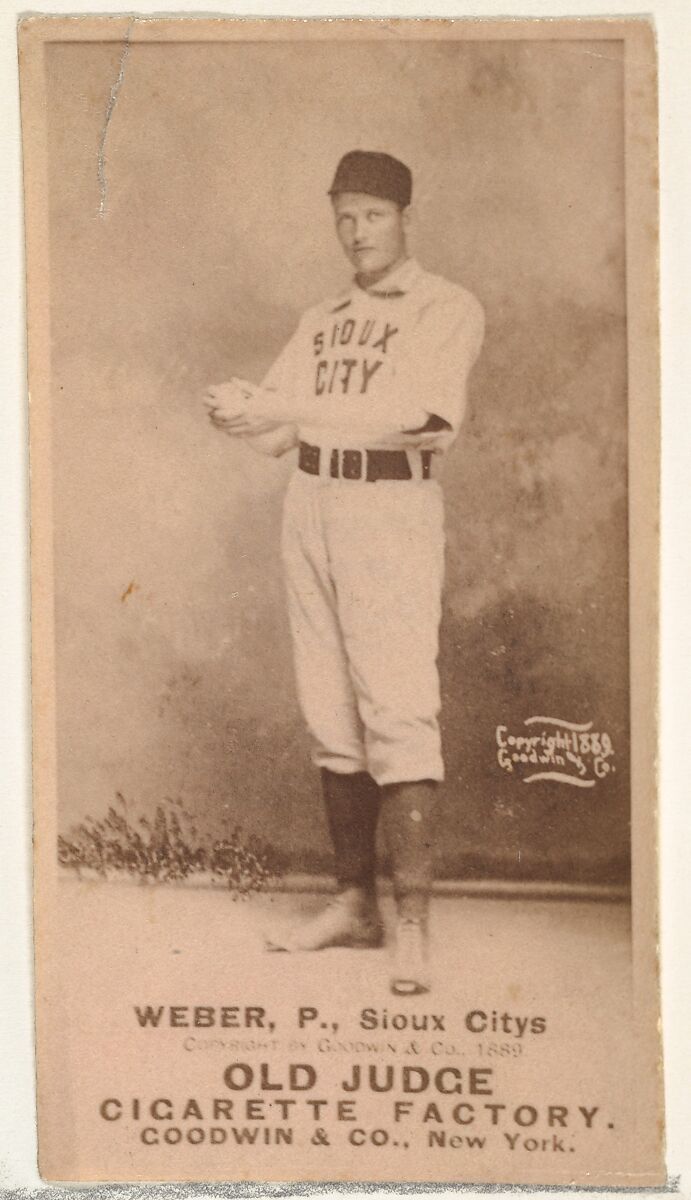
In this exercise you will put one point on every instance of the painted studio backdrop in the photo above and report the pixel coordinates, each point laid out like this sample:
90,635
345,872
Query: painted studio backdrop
189,228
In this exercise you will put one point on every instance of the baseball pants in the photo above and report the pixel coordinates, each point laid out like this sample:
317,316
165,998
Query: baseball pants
364,565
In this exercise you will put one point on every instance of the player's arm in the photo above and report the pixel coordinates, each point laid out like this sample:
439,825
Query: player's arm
241,409
273,442
269,437
446,343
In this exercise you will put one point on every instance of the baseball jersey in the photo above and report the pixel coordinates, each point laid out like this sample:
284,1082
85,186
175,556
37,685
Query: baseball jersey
413,337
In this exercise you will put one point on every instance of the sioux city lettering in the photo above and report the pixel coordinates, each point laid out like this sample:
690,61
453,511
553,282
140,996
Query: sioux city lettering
354,371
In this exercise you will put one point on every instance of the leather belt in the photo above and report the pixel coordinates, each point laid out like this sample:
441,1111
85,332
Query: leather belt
368,465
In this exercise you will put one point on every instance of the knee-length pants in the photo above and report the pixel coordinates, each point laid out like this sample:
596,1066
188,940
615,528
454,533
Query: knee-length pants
364,565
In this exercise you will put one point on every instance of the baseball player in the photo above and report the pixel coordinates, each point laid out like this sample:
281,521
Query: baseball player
371,389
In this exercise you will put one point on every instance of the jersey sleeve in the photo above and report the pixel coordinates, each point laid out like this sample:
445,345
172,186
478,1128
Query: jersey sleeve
284,373
274,442
444,346
280,378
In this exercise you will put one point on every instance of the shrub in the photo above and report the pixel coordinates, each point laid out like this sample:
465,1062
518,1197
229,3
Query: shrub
168,848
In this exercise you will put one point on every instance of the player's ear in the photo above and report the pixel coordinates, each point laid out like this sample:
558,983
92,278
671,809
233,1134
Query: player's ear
406,217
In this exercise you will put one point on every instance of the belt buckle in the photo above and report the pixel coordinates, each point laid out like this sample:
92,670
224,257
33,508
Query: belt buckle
351,464
309,458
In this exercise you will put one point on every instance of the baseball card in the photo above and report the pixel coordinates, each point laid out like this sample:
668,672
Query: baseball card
343,380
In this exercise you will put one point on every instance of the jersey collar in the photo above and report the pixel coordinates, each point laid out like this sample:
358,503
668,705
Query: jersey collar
398,282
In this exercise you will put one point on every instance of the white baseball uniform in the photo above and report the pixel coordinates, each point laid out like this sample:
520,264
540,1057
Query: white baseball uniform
364,560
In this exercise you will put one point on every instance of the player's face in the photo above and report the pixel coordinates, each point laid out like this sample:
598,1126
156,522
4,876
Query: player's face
371,231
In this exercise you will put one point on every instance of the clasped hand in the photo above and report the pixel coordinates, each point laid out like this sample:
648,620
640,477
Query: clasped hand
238,408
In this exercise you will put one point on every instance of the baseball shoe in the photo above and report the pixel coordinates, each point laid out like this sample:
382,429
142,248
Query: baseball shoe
410,973
342,923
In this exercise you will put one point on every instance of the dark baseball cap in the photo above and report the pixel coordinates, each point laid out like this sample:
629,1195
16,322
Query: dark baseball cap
375,174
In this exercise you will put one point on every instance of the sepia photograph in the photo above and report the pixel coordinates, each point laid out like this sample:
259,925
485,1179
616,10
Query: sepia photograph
343,364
